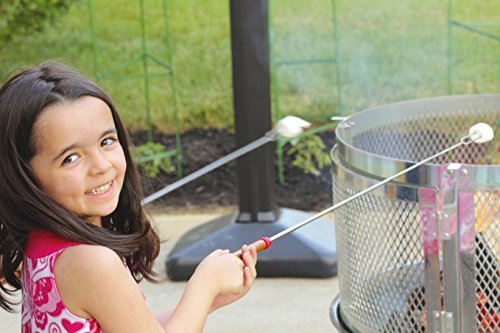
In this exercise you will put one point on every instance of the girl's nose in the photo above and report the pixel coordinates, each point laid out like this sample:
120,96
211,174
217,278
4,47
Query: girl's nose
100,164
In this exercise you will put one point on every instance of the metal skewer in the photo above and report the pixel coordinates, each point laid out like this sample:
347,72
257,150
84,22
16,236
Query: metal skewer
478,133
268,137
289,126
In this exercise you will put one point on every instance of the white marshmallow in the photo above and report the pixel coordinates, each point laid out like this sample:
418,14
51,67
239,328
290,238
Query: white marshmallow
481,133
291,126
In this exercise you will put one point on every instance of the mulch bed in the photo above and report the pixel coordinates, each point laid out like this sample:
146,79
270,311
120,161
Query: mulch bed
219,188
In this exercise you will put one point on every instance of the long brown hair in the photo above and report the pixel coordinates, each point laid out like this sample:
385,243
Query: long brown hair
24,207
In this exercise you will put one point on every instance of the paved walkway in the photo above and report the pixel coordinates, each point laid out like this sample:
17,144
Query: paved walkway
278,305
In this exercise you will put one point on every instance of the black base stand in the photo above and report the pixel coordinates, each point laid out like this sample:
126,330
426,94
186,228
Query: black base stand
307,252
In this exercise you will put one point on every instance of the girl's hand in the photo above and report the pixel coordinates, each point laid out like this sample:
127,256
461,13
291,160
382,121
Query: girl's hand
249,258
220,273
221,278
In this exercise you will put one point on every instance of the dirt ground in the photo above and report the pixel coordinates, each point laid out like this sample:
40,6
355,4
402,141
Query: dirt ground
218,189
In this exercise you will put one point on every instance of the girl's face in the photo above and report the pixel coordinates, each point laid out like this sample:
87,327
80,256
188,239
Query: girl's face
79,161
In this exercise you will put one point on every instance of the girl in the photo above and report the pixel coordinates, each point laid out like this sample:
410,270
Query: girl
70,212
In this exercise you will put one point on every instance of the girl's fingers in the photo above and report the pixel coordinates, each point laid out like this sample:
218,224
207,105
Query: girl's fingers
250,264
250,259
252,271
253,252
249,255
249,277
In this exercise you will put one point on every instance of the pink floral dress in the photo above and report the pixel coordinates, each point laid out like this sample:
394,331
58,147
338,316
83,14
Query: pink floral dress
43,310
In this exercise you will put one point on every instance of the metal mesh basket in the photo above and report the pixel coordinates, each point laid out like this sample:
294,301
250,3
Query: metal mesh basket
422,253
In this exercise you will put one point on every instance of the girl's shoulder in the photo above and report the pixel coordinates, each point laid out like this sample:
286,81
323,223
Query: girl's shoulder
85,274
87,267
89,258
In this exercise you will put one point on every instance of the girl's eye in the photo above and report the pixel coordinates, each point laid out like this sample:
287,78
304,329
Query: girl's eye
108,141
70,159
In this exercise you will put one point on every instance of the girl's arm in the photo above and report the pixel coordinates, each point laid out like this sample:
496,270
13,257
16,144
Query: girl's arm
93,283
163,316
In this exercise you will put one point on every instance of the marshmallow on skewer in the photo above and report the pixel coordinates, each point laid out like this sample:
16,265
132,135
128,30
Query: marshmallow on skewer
481,133
291,126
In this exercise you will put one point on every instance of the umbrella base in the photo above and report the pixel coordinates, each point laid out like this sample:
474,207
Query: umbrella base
307,252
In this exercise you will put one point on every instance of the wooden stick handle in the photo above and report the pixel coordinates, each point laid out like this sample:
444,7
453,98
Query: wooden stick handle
262,244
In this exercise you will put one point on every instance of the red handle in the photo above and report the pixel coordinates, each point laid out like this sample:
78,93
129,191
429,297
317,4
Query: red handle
262,244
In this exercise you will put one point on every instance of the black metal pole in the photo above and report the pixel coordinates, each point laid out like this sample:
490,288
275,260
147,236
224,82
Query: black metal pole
309,252
252,108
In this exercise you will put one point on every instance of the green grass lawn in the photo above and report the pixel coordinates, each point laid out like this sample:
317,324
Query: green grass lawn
389,50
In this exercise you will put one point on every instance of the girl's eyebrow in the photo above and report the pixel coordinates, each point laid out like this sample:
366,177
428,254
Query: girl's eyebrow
64,151
68,148
109,131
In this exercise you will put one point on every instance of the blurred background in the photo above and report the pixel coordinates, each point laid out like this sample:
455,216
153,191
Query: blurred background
367,53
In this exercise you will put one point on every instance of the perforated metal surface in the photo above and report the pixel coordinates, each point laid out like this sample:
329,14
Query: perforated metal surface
421,254
383,263
487,252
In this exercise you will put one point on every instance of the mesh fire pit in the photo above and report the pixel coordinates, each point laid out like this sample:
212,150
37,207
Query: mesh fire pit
422,253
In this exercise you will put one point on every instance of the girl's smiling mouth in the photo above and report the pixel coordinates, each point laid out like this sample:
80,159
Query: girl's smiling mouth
100,189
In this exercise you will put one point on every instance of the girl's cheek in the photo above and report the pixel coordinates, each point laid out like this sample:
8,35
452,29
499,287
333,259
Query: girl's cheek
118,157
122,163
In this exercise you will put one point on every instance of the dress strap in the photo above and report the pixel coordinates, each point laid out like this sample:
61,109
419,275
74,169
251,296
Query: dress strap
41,243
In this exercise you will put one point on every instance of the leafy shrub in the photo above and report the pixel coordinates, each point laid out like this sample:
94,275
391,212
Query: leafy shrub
153,158
309,154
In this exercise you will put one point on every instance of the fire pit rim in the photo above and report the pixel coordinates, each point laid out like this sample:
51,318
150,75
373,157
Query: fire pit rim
381,166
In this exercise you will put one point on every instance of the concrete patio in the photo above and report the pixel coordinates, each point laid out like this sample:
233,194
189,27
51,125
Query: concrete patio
275,305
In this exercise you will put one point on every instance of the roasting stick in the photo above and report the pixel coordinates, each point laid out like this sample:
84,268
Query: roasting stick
289,127
478,133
